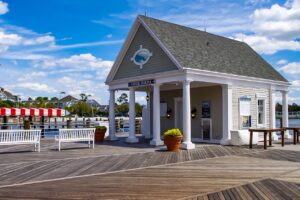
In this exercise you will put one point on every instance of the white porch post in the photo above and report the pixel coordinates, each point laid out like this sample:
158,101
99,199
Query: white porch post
156,117
285,111
273,111
132,138
147,123
227,113
186,102
112,123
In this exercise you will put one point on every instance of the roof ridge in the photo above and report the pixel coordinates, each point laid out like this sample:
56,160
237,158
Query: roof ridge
194,29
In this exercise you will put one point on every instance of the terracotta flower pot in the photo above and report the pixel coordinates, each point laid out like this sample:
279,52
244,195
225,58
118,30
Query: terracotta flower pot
26,124
99,135
172,142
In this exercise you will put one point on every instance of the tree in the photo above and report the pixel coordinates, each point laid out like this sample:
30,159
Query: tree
80,108
122,109
84,97
45,98
278,107
39,99
50,105
54,99
138,109
30,99
123,98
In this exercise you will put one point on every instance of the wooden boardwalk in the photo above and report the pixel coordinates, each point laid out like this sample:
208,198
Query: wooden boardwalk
208,172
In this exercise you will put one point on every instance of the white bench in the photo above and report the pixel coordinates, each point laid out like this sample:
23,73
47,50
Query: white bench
15,137
76,135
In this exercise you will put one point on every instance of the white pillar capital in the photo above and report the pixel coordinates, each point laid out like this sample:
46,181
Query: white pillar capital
186,82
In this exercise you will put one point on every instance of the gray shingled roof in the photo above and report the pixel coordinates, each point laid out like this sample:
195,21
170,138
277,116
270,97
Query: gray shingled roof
201,50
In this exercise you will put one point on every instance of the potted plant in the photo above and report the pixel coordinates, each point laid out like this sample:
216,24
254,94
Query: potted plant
172,139
100,133
26,124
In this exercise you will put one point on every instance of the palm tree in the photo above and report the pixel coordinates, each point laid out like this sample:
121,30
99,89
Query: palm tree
84,97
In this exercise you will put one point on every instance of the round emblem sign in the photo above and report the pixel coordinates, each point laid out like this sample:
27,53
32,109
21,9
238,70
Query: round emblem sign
141,56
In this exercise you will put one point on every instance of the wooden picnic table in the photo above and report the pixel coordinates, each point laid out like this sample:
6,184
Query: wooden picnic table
296,132
267,131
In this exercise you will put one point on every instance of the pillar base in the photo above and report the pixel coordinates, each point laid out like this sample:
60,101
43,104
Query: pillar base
112,138
288,135
225,142
187,145
132,140
158,142
275,136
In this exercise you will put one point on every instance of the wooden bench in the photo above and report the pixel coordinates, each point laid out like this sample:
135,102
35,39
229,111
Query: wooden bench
16,137
76,135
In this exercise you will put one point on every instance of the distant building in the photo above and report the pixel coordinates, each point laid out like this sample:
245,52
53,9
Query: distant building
67,101
93,103
103,108
7,96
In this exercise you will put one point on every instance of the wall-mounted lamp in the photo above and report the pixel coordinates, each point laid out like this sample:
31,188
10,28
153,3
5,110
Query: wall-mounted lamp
169,113
147,98
194,113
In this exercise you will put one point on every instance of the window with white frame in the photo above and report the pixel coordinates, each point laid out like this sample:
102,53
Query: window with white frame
260,111
245,112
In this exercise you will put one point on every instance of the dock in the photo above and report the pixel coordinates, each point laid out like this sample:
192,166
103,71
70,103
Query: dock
117,170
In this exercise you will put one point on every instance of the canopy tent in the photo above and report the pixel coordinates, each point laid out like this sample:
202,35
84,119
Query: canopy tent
41,112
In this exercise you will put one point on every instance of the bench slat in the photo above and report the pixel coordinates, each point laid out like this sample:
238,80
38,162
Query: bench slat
76,135
14,137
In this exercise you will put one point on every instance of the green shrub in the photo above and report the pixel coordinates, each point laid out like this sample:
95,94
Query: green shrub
101,128
175,132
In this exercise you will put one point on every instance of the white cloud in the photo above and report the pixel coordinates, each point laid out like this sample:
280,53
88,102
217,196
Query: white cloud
267,45
9,39
282,62
81,62
296,85
40,40
39,87
292,68
31,76
278,21
3,8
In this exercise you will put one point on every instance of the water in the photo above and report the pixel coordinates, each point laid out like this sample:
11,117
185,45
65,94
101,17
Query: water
292,123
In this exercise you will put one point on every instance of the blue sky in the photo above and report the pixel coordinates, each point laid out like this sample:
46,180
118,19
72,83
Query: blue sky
69,45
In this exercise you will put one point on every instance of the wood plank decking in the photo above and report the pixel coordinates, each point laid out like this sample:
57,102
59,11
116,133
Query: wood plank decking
208,172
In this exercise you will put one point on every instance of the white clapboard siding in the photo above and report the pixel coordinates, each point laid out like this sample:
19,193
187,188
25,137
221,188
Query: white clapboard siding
76,135
14,137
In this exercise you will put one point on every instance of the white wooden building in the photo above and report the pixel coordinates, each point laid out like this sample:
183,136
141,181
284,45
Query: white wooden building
209,86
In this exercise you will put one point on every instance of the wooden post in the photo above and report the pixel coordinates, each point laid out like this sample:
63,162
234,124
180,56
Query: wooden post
282,138
270,138
251,138
265,139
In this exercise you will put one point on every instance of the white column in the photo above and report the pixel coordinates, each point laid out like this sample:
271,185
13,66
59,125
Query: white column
186,116
273,111
146,118
112,123
285,111
132,138
227,113
156,117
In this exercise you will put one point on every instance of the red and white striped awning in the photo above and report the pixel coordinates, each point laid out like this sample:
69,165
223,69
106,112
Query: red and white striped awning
46,112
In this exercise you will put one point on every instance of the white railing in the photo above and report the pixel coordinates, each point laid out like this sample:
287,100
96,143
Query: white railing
14,137
76,135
